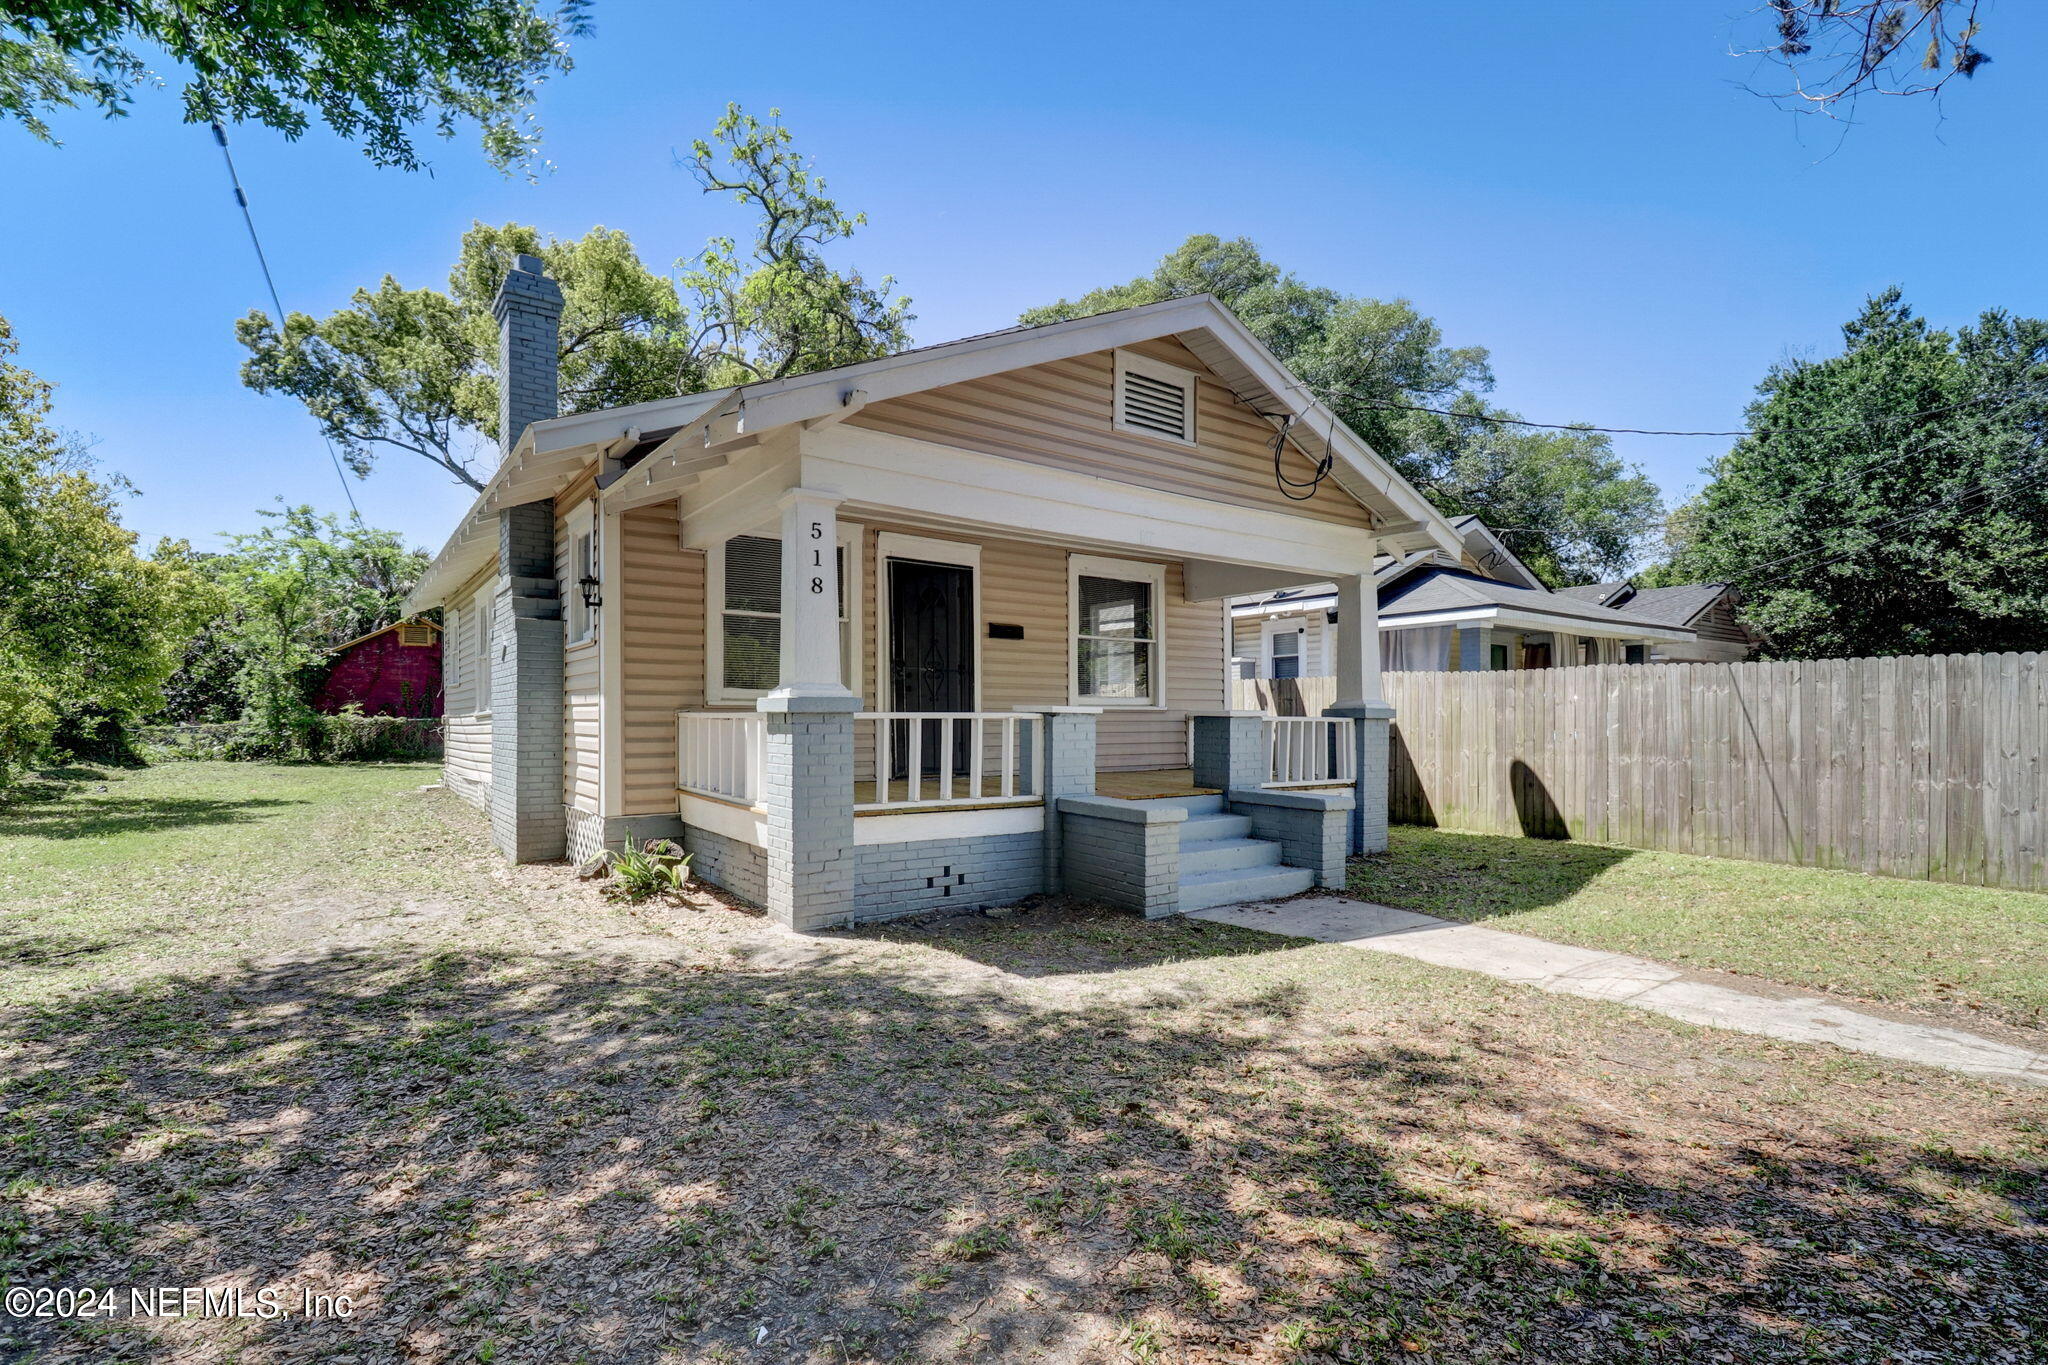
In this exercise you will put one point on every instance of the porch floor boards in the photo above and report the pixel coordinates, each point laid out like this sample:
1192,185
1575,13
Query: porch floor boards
1151,784
928,789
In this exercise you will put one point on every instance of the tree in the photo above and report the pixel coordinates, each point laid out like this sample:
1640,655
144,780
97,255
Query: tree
415,369
89,630
1893,499
1563,500
1836,51
371,73
291,592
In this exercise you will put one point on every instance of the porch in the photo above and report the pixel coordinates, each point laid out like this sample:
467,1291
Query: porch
917,694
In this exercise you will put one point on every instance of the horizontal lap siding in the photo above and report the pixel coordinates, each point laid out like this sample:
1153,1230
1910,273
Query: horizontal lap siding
1060,415
581,696
1025,584
662,653
466,750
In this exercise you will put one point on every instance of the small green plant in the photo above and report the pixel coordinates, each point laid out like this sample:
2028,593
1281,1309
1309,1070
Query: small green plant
657,868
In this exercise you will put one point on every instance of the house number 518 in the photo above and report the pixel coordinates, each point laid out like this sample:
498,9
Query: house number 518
817,558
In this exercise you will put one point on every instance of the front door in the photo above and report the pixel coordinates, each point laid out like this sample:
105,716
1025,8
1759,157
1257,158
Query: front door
931,655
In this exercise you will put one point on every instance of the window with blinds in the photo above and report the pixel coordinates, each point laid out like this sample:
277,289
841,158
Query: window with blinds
750,620
1116,632
583,563
1155,399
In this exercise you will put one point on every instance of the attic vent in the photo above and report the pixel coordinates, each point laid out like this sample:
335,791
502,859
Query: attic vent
1155,399
415,635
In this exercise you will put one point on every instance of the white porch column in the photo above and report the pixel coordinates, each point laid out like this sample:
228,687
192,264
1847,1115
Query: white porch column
810,595
807,731
1358,641
1359,697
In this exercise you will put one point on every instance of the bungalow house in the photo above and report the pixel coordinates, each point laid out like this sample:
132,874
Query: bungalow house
1708,610
928,631
1472,609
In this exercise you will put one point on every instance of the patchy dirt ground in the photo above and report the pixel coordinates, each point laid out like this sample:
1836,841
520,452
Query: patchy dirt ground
515,1122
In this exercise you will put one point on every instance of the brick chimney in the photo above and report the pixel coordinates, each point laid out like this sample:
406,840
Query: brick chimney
529,313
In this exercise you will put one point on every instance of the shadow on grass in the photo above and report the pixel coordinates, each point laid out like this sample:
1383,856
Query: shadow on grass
538,1162
70,815
1477,876
1058,936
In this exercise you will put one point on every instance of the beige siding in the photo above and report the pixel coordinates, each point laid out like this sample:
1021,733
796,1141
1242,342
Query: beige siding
1025,584
466,755
1060,415
466,723
581,663
662,653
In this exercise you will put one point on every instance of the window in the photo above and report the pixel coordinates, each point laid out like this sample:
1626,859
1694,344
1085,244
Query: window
1499,660
1154,399
745,644
481,609
1116,631
1287,654
1635,654
583,563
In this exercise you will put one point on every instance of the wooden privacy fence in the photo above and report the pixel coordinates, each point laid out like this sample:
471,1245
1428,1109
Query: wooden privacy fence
1911,767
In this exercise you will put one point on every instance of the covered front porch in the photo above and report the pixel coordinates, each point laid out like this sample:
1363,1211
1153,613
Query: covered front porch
906,708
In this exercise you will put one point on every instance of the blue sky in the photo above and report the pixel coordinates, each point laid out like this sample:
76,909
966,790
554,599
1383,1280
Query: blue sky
1583,188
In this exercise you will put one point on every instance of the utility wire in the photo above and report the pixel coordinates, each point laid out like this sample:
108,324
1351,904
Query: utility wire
1373,400
220,135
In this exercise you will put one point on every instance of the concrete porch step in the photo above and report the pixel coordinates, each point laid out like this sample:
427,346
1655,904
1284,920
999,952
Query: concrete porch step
1193,805
1200,890
1207,829
1220,855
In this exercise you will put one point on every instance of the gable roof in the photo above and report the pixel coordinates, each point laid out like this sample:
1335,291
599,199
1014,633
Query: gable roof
1676,605
382,630
1439,590
1602,594
550,453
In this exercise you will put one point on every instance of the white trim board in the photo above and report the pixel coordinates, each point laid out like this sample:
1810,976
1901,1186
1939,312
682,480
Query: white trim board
1012,499
911,826
1129,571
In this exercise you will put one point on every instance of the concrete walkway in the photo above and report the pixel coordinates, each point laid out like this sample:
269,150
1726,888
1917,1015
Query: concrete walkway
1747,1007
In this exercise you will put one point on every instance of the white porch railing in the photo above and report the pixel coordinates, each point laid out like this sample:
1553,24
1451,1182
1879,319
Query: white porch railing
908,760
1310,751
718,754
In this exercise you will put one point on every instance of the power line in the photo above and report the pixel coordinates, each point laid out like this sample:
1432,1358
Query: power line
1374,401
220,135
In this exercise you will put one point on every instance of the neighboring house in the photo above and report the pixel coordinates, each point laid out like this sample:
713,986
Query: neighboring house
395,671
1708,610
1473,609
915,633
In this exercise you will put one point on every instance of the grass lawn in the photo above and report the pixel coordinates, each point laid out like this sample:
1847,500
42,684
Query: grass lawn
298,1028
1965,951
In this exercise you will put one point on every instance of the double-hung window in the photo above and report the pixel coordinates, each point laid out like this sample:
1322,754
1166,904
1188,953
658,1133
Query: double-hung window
745,639
1117,606
1287,653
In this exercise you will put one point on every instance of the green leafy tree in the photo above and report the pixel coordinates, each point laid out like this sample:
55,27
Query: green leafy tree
1893,499
415,369
292,591
372,73
89,630
1563,500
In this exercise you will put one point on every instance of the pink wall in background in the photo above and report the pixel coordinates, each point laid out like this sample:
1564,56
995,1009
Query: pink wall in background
385,678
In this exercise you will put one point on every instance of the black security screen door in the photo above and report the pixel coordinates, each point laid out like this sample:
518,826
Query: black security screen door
931,655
